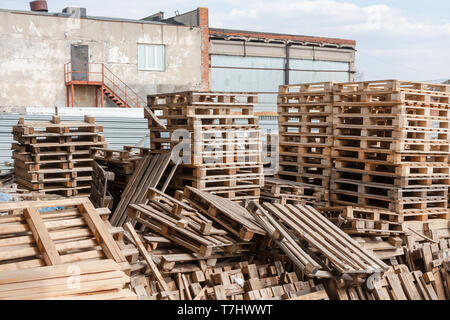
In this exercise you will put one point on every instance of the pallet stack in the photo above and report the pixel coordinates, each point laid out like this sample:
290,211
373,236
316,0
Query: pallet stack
122,163
221,140
306,134
391,147
54,156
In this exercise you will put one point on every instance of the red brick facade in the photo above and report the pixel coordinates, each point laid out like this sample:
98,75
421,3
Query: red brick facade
203,21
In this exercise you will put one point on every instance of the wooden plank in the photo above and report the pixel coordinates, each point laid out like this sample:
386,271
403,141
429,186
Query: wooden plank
318,295
98,228
396,287
49,272
137,240
42,237
408,286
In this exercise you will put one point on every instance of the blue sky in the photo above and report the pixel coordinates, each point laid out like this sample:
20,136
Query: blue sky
408,40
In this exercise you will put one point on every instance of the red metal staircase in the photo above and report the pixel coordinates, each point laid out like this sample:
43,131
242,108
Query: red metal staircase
105,82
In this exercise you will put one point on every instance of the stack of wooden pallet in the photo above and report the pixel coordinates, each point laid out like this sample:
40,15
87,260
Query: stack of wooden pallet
221,140
100,195
391,147
122,163
59,249
287,191
54,156
306,133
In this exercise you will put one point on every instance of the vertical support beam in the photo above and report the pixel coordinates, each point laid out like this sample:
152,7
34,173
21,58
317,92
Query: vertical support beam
102,97
96,96
72,90
43,239
67,96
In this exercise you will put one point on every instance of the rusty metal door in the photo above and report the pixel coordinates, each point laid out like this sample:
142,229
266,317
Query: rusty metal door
80,62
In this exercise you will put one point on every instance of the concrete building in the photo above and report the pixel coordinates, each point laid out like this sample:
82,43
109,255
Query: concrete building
141,57
35,46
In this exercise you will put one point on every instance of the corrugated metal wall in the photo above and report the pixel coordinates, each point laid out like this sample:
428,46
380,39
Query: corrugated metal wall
118,131
265,74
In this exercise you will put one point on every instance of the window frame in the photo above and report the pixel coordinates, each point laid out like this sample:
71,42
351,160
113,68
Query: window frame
153,46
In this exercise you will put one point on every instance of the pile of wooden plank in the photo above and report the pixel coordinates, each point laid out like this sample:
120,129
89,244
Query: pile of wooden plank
232,276
391,147
54,156
397,283
306,133
59,249
221,140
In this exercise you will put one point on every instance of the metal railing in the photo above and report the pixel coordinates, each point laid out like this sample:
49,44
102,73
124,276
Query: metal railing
99,74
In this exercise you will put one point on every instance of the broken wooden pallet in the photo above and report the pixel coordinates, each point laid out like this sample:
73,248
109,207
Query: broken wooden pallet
100,196
230,215
182,233
305,223
148,174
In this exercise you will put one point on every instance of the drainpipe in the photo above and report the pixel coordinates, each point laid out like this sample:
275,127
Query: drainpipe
286,66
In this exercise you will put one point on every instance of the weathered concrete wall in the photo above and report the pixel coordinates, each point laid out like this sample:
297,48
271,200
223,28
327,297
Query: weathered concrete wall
34,49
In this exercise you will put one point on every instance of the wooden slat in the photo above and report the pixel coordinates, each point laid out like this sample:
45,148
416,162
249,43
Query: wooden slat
42,237
137,240
97,227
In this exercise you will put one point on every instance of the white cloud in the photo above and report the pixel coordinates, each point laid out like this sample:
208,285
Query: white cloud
389,42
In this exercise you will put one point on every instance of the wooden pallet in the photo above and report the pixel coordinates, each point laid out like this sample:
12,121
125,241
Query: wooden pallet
291,223
100,196
42,241
148,174
226,213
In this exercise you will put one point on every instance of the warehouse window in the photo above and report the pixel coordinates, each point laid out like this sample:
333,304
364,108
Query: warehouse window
151,57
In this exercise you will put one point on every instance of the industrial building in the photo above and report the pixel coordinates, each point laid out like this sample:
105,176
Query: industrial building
147,56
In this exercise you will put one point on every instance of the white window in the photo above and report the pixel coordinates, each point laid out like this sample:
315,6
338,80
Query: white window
151,57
